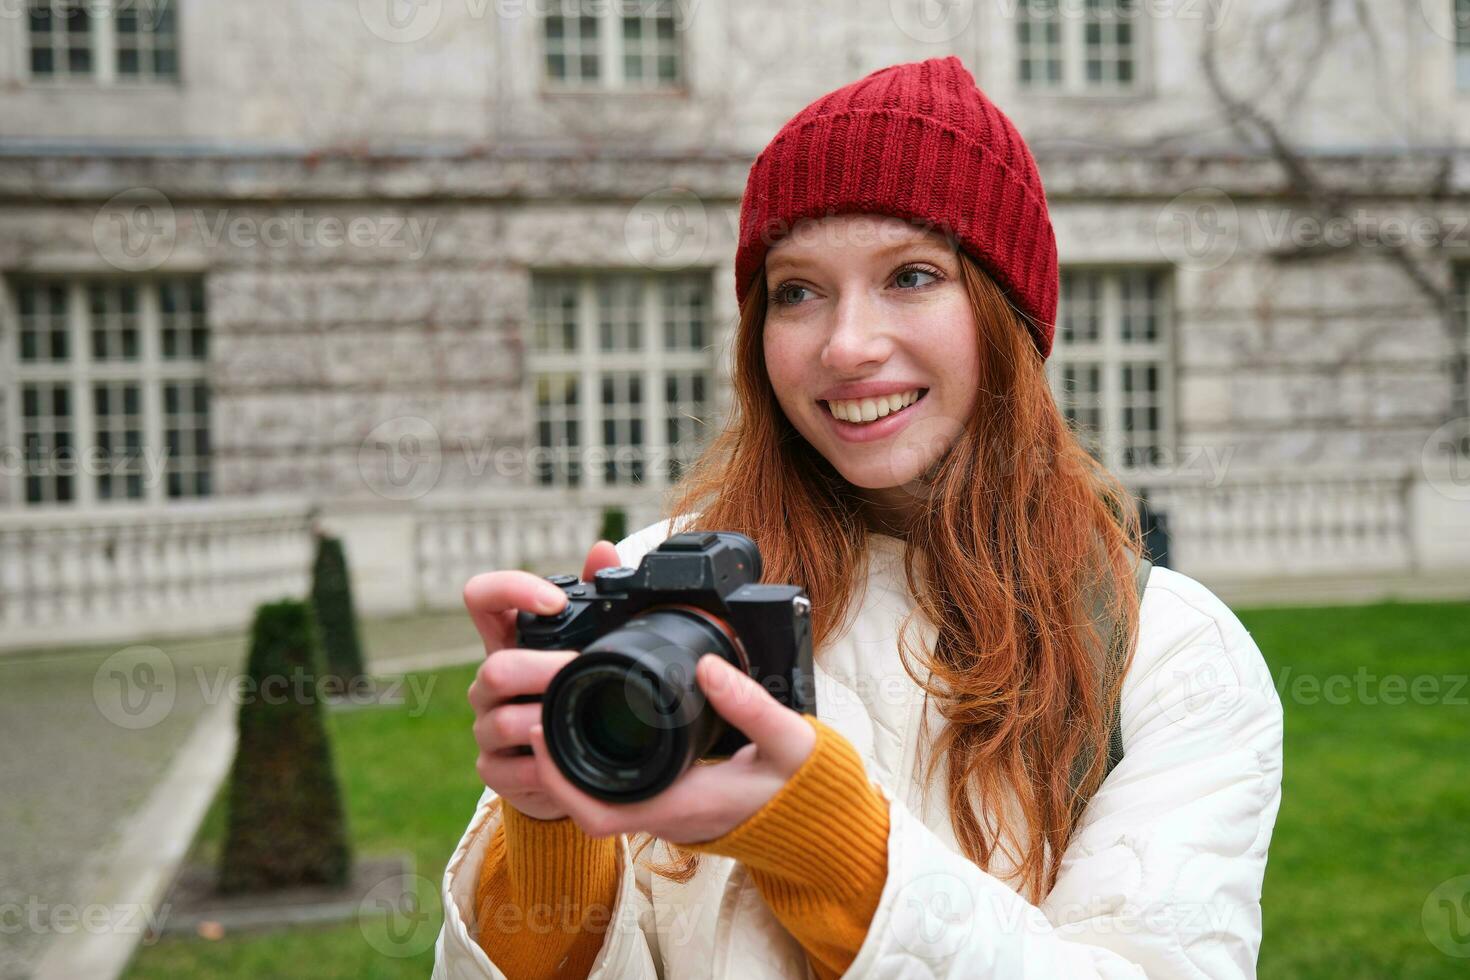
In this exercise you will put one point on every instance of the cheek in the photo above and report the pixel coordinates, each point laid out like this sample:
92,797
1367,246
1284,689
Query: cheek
784,366
952,349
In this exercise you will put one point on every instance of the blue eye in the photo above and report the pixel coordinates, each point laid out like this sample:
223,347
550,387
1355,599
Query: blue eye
915,270
780,296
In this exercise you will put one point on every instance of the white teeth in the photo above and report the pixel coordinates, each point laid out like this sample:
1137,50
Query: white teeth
869,409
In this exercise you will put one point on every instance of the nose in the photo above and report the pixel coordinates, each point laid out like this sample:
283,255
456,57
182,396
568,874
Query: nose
858,338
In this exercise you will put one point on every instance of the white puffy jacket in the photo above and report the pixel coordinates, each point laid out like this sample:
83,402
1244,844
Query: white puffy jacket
1161,880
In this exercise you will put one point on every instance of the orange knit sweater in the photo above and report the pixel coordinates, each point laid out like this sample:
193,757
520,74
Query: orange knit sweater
546,890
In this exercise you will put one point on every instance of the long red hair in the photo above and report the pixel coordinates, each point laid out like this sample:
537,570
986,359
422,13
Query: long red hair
1021,524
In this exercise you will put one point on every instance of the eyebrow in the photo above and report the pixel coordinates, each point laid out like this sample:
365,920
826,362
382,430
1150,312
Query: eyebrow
780,259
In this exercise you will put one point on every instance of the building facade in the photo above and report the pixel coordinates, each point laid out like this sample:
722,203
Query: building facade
451,277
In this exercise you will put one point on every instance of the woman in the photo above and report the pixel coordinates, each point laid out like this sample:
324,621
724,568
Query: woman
946,814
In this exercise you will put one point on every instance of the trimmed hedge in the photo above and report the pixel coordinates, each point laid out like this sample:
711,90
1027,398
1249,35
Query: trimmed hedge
285,824
331,597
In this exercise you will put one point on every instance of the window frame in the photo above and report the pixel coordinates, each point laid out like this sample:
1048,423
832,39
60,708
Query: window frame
589,363
81,372
1111,352
1073,52
611,78
103,39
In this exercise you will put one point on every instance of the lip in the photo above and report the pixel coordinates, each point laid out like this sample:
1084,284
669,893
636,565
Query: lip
867,389
872,431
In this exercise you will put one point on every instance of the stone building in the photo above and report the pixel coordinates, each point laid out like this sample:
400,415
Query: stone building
362,261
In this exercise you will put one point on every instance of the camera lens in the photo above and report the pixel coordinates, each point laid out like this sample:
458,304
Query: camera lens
626,718
611,718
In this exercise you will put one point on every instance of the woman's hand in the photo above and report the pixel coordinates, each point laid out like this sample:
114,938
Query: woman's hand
501,727
707,801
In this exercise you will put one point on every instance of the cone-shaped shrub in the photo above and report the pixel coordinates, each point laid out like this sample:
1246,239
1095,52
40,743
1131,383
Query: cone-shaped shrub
285,825
614,524
331,596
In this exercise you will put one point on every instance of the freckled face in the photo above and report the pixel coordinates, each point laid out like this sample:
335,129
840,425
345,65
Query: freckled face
865,298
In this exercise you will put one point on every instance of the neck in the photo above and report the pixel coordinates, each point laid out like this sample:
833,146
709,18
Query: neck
888,510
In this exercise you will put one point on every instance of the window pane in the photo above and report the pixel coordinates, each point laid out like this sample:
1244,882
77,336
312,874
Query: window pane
113,322
186,428
1110,365
686,418
182,325
620,313
118,422
47,438
1108,44
557,459
146,41
1038,43
1080,308
685,305
641,330
554,306
44,332
622,436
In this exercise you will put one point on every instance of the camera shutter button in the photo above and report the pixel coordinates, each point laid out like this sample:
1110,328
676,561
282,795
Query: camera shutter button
613,579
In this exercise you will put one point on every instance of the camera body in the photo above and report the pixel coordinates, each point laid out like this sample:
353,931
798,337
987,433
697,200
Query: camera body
625,718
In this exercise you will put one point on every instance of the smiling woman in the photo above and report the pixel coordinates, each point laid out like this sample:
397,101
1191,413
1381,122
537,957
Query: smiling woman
1011,799
850,324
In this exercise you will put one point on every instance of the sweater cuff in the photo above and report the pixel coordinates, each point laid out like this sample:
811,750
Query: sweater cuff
556,858
824,834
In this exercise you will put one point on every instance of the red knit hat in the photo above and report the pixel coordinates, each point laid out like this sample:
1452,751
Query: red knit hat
918,141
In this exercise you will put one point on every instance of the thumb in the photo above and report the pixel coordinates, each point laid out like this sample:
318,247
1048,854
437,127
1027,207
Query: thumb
781,735
603,554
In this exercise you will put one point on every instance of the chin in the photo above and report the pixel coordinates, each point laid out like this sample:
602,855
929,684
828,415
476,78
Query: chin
875,477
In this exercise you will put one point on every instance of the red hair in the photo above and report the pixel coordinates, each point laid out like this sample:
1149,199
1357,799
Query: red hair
1021,524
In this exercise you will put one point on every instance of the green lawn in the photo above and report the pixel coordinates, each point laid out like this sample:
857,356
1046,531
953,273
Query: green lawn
410,786
1374,816
1376,800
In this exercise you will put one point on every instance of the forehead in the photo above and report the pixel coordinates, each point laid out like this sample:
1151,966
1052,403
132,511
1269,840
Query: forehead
849,236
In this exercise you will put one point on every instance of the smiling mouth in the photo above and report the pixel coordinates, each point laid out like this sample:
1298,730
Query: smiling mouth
862,411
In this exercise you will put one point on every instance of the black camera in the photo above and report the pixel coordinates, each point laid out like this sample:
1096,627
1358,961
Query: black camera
624,719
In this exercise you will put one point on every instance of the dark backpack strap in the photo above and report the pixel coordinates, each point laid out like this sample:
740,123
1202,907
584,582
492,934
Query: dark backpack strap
1109,665
1117,654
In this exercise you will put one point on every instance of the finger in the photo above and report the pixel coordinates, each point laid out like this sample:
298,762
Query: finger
604,554
509,774
497,629
493,599
781,736
506,726
513,671
596,818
